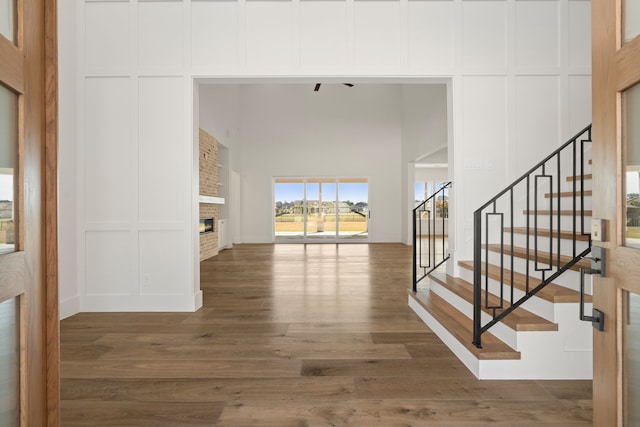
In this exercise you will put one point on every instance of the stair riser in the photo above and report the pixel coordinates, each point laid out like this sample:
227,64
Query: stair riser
500,330
566,222
538,306
565,354
566,203
569,279
566,246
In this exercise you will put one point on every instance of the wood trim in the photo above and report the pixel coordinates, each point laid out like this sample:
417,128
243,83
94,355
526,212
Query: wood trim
24,364
288,180
11,71
18,198
628,64
12,280
604,42
52,320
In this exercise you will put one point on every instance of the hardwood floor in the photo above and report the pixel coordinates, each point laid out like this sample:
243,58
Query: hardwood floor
293,335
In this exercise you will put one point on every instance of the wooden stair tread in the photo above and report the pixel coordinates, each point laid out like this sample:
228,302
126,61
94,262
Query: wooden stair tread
552,292
586,176
461,327
542,256
546,233
569,194
519,320
568,212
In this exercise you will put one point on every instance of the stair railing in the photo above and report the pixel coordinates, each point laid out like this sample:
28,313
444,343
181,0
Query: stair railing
426,256
496,221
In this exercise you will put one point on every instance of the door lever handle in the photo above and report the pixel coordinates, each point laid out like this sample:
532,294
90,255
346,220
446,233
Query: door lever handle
597,267
597,317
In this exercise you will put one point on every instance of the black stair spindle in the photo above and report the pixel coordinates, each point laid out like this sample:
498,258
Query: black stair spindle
548,273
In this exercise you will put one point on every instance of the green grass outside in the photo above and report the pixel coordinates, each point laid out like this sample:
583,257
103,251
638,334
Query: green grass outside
295,223
633,232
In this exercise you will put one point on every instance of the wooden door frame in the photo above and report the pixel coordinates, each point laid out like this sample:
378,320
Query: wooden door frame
29,68
52,317
603,42
610,63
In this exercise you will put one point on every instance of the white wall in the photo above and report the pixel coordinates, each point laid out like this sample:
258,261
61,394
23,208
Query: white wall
425,131
290,130
331,123
515,67
67,161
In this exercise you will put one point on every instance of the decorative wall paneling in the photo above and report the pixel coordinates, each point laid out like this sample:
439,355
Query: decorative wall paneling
490,50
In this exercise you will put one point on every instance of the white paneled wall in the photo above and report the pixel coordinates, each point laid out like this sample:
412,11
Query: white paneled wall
323,31
376,28
430,30
484,34
537,112
519,73
108,150
109,263
537,34
107,38
160,37
269,34
214,34
162,150
579,29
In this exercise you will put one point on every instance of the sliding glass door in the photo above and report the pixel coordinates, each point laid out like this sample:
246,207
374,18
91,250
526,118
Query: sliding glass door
353,207
289,208
321,209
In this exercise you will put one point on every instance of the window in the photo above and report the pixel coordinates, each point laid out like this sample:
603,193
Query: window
321,208
8,161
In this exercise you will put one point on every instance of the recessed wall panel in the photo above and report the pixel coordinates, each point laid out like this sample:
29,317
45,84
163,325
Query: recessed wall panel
162,149
214,34
107,38
580,33
580,104
430,30
484,137
109,258
108,150
163,267
484,29
269,34
537,33
323,33
377,33
537,109
160,35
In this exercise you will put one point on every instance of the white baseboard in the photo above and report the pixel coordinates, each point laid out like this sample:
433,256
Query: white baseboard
68,307
147,303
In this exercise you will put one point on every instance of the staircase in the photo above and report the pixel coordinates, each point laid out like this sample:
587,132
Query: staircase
513,311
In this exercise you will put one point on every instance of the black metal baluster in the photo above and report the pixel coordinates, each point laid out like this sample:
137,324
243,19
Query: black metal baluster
415,253
548,274
558,175
575,201
528,258
512,242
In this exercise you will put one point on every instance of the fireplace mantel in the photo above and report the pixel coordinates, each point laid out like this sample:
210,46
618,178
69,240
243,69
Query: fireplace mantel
211,200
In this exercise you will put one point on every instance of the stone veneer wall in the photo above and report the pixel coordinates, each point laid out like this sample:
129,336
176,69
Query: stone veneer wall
208,187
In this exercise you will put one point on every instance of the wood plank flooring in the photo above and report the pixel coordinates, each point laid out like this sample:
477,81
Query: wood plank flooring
293,335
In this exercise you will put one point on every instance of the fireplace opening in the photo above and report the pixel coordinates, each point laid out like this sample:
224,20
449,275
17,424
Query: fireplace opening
206,225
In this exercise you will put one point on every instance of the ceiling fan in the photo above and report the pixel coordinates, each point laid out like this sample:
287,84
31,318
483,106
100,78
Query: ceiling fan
317,88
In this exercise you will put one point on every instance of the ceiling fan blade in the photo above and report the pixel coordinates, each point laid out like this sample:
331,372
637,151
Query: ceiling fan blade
317,88
348,84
